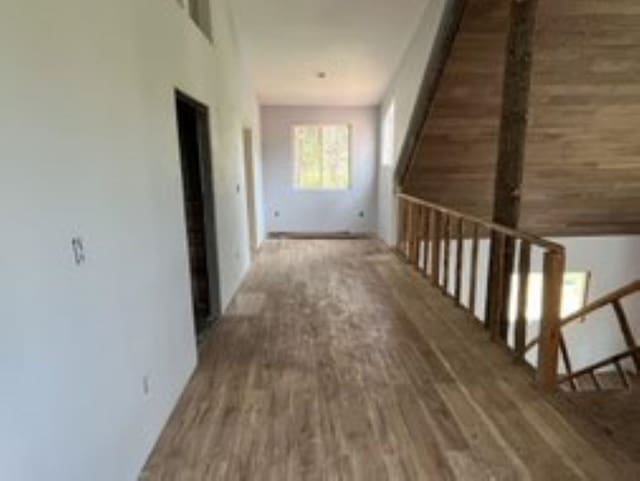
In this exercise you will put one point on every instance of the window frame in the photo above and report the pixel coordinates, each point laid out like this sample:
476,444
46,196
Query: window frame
534,306
294,159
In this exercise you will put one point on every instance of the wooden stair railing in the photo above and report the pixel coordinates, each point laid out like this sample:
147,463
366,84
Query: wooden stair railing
432,238
591,371
613,299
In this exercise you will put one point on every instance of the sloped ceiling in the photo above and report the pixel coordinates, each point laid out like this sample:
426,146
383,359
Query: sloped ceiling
358,44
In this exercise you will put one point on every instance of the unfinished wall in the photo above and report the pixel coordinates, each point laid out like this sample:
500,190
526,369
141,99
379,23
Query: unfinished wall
88,147
295,210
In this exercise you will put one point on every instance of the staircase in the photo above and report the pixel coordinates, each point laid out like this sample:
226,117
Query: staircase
618,371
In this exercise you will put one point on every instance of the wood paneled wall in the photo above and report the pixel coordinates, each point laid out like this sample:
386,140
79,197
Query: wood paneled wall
582,169
455,161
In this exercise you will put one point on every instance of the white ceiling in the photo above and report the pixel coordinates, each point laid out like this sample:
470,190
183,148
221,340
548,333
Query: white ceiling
358,43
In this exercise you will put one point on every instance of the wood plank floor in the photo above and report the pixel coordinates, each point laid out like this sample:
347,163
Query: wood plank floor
338,362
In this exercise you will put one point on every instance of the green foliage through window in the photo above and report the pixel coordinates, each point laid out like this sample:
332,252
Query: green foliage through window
322,156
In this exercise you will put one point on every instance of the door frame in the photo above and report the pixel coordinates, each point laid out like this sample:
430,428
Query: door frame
250,186
205,157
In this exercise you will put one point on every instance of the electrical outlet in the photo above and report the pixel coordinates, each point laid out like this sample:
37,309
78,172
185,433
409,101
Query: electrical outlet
276,213
361,214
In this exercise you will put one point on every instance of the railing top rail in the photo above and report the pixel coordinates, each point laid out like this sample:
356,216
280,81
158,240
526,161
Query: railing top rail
603,363
603,302
539,241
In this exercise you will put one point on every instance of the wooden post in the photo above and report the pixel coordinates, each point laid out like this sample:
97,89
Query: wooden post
513,131
554,265
495,303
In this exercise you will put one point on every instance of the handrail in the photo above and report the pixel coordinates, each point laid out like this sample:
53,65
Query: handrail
633,352
599,303
547,244
431,238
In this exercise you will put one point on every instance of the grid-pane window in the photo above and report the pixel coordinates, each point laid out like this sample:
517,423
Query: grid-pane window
322,156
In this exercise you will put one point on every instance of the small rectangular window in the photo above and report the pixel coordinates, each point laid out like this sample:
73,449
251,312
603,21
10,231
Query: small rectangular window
200,13
322,157
574,294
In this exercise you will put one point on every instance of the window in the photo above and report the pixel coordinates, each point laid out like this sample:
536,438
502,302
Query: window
200,13
322,157
574,294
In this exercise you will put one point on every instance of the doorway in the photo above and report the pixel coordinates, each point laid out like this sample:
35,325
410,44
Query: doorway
197,182
247,139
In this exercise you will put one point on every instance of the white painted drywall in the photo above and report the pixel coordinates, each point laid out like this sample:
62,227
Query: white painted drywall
88,147
402,94
293,210
613,261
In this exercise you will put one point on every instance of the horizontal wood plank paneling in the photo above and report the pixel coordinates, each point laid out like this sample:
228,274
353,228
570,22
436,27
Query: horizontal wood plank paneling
582,167
457,154
582,174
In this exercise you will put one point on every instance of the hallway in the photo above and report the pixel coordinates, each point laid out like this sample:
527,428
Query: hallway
338,362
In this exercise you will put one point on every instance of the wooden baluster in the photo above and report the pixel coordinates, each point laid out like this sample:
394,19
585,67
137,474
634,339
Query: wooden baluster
401,235
626,332
427,239
436,247
623,375
554,265
524,268
567,362
459,260
409,230
447,251
473,276
416,232
494,298
595,380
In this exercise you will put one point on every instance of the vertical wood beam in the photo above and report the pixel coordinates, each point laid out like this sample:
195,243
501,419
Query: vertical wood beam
513,132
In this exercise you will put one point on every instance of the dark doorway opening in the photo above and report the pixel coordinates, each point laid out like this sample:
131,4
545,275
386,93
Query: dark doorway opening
197,182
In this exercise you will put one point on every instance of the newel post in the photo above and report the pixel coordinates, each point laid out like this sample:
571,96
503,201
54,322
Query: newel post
548,349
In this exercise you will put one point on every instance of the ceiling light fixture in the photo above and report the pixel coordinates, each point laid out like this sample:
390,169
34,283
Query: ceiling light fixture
321,75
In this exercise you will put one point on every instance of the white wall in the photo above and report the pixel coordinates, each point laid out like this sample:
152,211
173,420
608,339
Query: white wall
402,93
319,211
613,261
88,146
